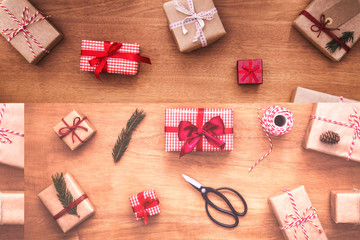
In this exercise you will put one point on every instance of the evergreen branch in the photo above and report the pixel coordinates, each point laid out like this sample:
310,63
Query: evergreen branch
333,45
63,193
124,137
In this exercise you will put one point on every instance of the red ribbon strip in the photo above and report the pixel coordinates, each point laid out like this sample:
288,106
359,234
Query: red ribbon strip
322,28
144,203
111,50
70,206
71,129
250,72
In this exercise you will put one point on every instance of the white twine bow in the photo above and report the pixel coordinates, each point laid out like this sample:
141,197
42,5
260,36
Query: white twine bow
23,24
198,18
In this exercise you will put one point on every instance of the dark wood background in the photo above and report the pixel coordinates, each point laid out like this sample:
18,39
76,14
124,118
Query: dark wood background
256,29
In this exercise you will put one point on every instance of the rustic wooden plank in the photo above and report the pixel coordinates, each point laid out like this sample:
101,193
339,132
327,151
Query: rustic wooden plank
256,29
146,165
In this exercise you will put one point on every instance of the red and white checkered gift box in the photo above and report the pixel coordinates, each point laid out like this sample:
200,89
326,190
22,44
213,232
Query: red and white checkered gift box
114,64
198,117
145,204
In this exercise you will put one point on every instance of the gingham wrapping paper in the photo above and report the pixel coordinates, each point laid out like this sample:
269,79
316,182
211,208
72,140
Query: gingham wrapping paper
173,117
147,194
114,65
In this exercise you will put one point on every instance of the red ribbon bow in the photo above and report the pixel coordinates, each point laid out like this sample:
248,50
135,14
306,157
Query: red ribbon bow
144,203
71,129
111,50
191,134
250,71
23,24
322,28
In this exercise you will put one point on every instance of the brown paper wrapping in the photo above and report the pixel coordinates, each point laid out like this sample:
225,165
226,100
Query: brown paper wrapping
281,206
49,198
316,8
345,206
213,29
84,135
304,95
12,208
43,31
13,153
337,112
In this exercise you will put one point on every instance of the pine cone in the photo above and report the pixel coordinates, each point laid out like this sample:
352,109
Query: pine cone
330,137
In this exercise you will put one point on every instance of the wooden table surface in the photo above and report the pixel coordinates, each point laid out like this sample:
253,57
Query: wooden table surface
146,165
11,179
256,29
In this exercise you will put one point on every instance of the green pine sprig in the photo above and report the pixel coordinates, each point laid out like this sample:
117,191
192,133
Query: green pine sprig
124,137
63,193
333,45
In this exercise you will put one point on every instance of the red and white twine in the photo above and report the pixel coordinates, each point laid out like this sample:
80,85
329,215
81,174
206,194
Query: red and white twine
23,24
3,131
198,18
308,216
354,122
268,125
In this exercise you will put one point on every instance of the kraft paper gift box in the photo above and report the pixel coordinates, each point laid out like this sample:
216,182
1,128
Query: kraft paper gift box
198,118
346,129
191,37
345,206
12,119
74,137
111,57
282,205
145,204
66,222
11,208
41,35
250,71
304,95
337,14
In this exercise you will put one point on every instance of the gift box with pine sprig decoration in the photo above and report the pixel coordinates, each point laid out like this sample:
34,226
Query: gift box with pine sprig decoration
333,26
66,201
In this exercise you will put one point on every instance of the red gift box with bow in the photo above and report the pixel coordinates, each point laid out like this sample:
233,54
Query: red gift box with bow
198,129
145,204
250,71
111,57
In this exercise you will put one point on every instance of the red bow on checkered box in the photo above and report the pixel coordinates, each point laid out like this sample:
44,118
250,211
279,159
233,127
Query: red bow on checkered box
198,129
145,204
111,57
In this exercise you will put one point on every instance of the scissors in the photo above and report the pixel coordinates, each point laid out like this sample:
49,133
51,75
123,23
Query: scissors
204,192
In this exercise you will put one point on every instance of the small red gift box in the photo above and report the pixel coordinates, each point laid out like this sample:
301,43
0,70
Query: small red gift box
250,71
145,204
198,129
110,57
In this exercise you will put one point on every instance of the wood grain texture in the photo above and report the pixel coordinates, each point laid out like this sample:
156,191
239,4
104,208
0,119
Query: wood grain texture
256,29
146,165
11,179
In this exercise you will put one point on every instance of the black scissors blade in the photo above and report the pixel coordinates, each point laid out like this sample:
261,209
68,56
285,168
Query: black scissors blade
193,182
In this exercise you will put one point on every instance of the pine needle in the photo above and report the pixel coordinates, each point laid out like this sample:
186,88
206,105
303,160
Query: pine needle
333,45
124,137
63,193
